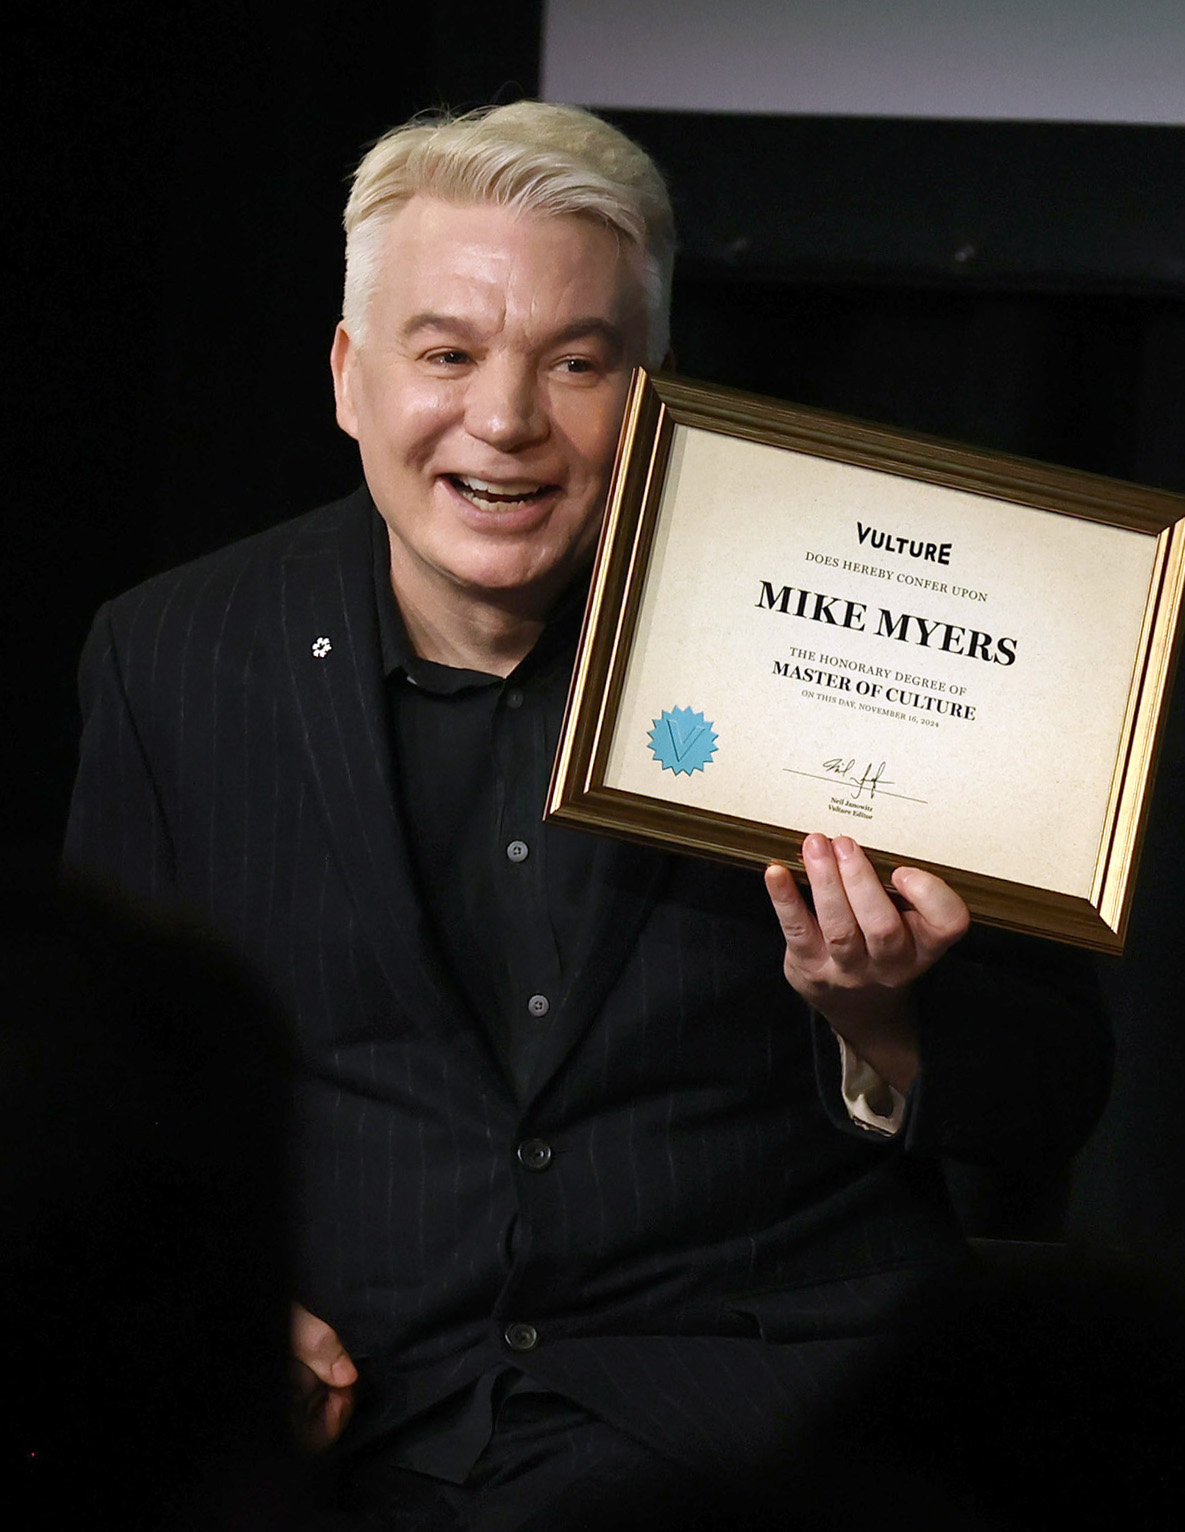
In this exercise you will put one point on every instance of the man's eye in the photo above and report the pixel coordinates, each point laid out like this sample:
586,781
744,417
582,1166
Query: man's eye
450,358
577,364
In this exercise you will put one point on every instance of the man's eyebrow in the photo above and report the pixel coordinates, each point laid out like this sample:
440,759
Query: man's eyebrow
579,329
430,321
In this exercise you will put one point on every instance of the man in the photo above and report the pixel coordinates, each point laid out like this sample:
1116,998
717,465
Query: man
593,1200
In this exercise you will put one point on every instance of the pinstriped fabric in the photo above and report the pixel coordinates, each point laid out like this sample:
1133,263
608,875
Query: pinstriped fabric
709,1247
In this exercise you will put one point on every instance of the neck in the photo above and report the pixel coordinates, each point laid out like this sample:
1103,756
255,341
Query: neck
483,642
490,631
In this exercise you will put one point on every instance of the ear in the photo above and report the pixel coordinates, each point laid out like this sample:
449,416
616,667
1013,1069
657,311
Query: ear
342,362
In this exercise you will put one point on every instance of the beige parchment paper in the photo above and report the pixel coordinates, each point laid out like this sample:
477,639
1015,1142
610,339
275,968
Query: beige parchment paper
862,729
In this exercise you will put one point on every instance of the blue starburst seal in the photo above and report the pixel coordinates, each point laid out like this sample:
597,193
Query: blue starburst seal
682,740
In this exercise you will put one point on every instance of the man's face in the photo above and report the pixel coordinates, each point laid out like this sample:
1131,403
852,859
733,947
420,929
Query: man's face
487,396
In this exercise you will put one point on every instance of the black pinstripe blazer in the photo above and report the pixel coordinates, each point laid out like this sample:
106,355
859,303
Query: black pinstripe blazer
712,1243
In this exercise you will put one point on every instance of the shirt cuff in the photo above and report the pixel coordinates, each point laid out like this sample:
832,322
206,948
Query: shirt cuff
872,1103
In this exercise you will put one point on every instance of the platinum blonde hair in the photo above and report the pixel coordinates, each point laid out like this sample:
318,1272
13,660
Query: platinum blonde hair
533,157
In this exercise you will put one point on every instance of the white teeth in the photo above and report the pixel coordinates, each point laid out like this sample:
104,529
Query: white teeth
516,489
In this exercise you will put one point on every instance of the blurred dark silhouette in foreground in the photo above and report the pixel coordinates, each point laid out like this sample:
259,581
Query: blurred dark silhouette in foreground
144,1105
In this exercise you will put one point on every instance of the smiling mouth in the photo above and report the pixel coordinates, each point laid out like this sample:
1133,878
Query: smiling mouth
486,496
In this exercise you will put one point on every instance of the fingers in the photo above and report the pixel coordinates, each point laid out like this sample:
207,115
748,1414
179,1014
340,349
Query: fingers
335,1413
317,1345
799,926
323,1377
855,914
854,918
319,1411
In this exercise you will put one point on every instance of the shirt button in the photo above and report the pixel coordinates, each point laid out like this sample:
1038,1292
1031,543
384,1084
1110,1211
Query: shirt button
535,1153
538,1005
514,697
518,851
520,1336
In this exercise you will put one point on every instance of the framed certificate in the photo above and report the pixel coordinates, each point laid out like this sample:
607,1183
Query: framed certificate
800,622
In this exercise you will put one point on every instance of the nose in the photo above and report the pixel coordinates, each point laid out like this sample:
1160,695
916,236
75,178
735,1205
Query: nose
504,406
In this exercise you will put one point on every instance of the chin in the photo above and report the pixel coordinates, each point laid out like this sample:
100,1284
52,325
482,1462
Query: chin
500,581
505,576
504,563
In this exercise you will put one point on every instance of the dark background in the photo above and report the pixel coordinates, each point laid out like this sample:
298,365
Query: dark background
173,275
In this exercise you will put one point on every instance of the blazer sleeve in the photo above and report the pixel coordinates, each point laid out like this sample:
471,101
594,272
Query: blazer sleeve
117,834
1016,1054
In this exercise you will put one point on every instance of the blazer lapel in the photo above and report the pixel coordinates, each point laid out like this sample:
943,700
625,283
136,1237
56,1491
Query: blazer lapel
332,662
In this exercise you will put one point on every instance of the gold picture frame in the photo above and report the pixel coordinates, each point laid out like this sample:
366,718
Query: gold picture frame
978,651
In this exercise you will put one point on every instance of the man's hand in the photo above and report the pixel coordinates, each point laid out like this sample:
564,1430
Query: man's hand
855,958
323,1378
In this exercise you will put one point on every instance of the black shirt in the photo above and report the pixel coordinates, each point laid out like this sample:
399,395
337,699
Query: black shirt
505,895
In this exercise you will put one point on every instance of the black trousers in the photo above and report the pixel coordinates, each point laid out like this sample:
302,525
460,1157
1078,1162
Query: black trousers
552,1467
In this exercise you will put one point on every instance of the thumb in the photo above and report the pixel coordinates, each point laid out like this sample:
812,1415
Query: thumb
936,916
316,1344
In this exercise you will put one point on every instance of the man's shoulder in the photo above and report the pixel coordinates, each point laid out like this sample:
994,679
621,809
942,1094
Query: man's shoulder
245,568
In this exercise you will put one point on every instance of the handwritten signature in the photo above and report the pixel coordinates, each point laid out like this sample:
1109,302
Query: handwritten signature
867,782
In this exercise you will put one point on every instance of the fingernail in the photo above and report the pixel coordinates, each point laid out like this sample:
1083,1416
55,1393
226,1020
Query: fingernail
814,845
844,846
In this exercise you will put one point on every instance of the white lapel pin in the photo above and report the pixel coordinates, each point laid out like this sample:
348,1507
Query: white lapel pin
321,647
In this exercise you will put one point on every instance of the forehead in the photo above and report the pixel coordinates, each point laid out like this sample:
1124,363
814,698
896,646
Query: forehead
490,261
